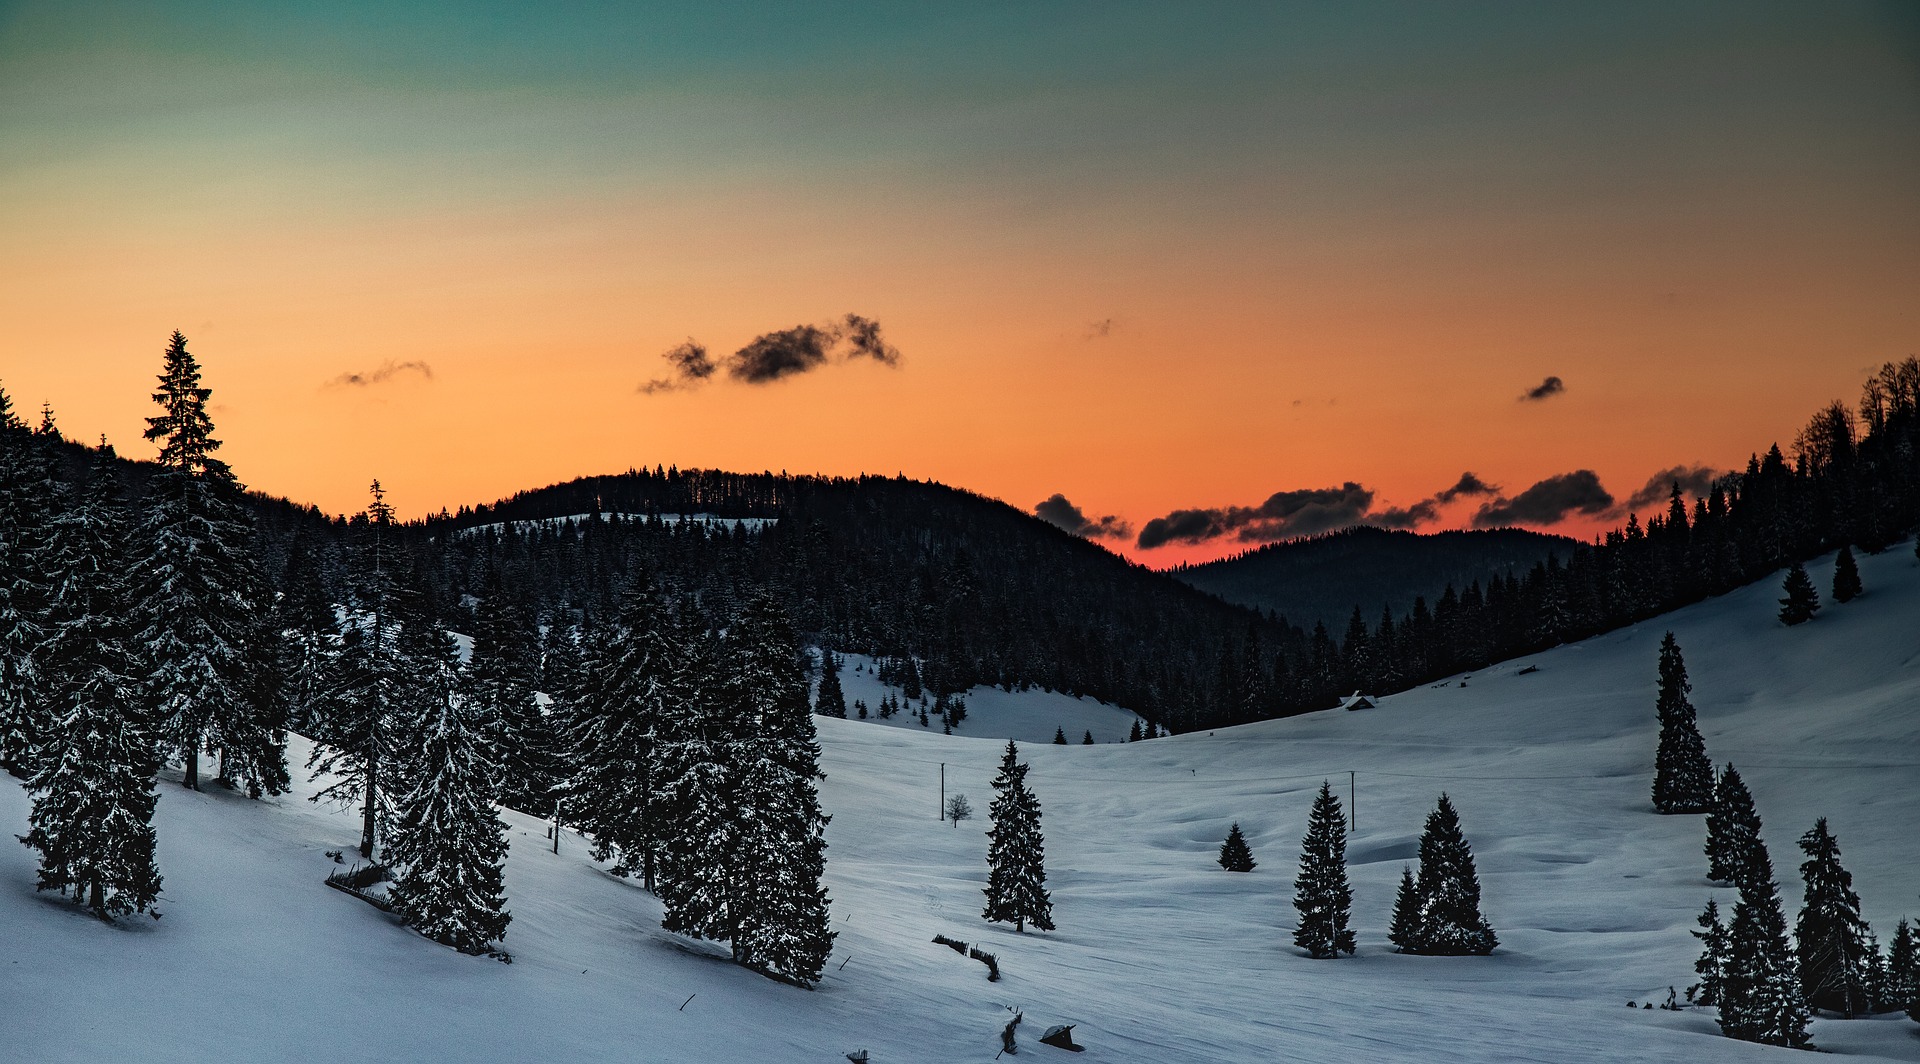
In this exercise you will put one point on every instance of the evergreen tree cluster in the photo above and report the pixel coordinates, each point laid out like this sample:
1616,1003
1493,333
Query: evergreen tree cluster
1439,912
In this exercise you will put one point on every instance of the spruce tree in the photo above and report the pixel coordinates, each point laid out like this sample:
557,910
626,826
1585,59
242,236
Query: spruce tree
28,498
630,682
1733,828
1016,856
1802,601
499,683
1448,891
93,793
1902,989
1404,931
1712,965
1846,576
1683,777
832,701
697,784
310,638
201,595
781,922
1836,961
448,846
1060,736
1087,739
1235,854
1133,733
1322,895
1760,996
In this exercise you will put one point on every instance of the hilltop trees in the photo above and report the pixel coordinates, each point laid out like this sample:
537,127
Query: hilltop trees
200,597
1016,857
1322,895
1441,915
1683,777
93,794
1836,950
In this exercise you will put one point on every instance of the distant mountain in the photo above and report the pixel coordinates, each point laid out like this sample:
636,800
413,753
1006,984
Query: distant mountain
1322,578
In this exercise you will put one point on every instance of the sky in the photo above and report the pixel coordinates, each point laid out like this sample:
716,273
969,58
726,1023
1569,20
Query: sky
1211,274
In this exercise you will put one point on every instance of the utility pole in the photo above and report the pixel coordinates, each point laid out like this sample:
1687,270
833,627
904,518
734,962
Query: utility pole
943,792
1353,802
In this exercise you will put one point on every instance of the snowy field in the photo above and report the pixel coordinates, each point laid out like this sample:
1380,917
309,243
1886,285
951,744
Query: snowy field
1025,716
1161,957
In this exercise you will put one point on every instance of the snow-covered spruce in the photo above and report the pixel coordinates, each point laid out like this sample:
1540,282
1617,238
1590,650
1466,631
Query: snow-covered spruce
831,700
1322,895
499,683
1445,919
1760,997
93,794
1712,965
1836,951
696,784
29,497
1733,828
1016,855
448,845
1683,776
1801,601
781,923
201,598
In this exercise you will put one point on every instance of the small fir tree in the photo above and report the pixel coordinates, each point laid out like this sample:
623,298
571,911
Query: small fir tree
831,700
1235,854
1016,855
1060,736
1683,777
1133,733
1846,577
1404,931
1733,828
1902,988
448,846
1802,601
1760,996
1835,952
1712,965
93,795
1087,739
1321,894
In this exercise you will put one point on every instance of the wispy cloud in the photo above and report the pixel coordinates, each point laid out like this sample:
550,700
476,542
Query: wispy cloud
1546,389
385,372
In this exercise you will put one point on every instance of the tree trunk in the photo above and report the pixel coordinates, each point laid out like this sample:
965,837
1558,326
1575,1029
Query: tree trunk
192,779
367,820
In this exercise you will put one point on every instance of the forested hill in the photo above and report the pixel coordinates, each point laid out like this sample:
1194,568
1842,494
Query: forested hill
1322,578
975,590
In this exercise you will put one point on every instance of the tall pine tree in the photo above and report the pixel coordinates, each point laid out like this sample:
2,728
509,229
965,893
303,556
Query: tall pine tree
1760,996
1712,965
28,500
1902,989
1016,855
781,924
93,794
697,788
1836,952
448,846
1733,828
499,684
831,701
1321,894
201,594
1683,777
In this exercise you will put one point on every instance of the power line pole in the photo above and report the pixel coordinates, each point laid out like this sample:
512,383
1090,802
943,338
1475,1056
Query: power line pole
1353,802
943,792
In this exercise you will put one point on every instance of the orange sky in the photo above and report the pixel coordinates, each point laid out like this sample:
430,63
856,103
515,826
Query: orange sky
1331,253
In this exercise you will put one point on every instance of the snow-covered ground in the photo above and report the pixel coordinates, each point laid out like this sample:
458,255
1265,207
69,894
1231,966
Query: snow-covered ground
1161,957
1023,716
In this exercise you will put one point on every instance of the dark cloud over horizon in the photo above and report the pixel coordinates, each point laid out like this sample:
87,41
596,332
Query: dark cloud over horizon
1546,389
778,355
1058,512
1548,502
1306,512
386,372
1694,480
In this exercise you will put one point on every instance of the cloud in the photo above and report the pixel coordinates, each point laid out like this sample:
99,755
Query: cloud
1101,329
863,341
1546,389
1067,517
1694,480
386,372
785,353
1467,485
690,367
1548,502
1284,515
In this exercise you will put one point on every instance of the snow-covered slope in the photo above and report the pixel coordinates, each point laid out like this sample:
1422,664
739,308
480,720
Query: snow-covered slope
1023,716
1161,957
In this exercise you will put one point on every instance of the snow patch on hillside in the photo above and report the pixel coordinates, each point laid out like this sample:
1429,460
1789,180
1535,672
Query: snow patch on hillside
1024,716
